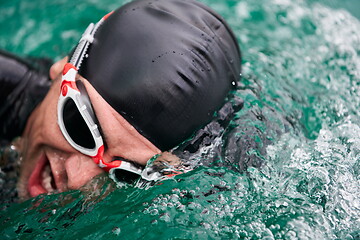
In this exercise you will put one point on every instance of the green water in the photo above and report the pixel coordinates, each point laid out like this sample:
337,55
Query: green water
300,123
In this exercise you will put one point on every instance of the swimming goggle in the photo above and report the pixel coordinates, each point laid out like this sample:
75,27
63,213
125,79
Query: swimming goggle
80,127
77,119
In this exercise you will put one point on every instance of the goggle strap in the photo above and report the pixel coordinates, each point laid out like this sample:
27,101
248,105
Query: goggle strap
69,73
87,35
86,39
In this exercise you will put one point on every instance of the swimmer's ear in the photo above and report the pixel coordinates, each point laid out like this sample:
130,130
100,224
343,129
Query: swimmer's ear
57,68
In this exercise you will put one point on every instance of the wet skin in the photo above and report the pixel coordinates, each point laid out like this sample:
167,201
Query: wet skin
51,164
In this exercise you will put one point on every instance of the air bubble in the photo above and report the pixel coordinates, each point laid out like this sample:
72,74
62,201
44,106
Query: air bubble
116,230
205,225
165,217
154,212
205,211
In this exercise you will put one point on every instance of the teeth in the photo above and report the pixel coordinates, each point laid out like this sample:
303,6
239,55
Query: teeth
46,176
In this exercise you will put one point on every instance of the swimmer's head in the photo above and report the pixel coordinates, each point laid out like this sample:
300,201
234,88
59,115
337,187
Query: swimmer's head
166,66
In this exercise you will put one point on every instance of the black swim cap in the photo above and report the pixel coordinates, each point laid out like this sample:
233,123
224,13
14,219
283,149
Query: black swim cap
165,65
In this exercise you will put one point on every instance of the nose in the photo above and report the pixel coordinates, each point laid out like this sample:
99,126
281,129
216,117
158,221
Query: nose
80,169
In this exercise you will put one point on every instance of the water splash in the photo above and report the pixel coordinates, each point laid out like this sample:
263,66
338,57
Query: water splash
284,166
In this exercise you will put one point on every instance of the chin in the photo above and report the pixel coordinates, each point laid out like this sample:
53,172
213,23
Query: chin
22,190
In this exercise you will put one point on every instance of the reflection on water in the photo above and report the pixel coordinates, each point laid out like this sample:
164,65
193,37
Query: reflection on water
283,165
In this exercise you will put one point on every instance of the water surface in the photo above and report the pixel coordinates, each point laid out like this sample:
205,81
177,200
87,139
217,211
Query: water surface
284,166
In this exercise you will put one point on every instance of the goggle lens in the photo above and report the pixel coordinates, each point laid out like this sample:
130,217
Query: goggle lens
121,175
76,126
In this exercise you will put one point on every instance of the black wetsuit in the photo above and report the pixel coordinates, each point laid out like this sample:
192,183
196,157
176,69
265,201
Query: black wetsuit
23,85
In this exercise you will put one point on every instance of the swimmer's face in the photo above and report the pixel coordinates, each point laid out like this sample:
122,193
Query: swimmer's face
49,162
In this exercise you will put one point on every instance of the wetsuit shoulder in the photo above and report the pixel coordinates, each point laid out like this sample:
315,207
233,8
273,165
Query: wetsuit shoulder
23,85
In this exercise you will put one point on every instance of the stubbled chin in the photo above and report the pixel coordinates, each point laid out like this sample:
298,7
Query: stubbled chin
22,183
22,191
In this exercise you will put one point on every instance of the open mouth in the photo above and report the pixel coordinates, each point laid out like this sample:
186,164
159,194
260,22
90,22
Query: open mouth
42,179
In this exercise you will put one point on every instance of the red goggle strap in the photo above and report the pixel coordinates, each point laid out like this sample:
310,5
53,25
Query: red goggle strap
68,79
